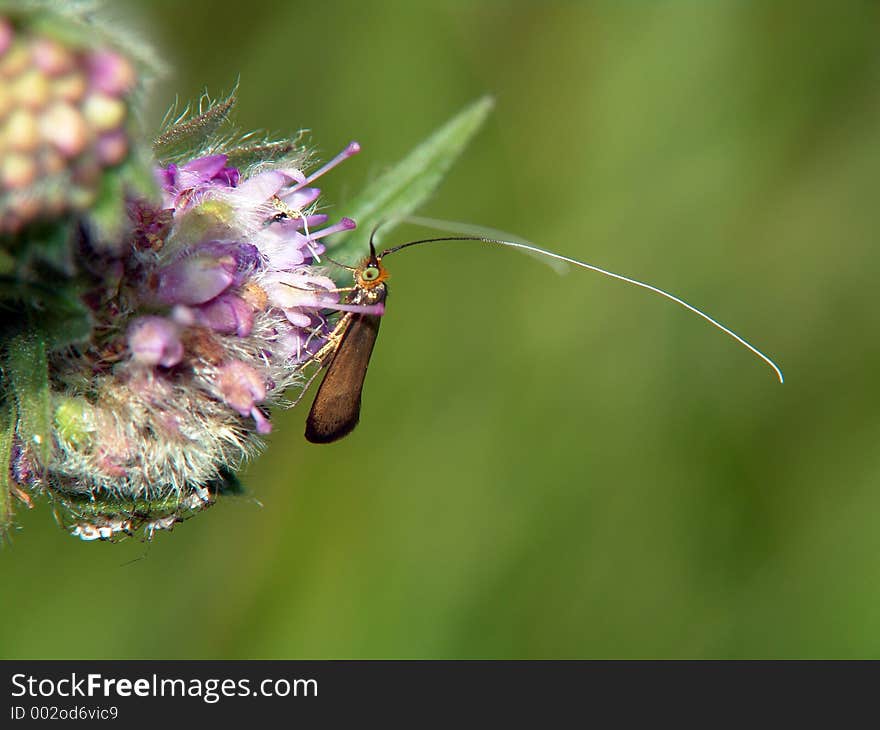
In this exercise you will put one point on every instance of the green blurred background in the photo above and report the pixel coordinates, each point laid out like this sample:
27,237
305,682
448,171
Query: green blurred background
546,466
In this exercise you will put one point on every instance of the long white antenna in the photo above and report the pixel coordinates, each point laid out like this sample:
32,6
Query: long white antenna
485,232
610,274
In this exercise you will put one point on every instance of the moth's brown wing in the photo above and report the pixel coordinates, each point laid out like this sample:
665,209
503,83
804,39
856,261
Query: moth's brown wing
337,405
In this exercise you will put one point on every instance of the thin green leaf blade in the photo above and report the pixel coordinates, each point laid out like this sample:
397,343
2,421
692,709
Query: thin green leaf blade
408,184
7,432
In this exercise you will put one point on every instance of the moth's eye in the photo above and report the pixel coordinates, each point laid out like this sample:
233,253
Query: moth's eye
370,273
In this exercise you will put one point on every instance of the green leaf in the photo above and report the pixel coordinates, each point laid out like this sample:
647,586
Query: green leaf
66,322
28,373
58,315
408,184
47,245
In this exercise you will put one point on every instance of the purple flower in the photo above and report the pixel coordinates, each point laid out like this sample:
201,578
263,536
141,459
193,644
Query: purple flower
242,388
109,72
299,293
227,314
182,184
149,225
205,272
299,344
248,297
194,279
155,341
65,104
301,198
6,35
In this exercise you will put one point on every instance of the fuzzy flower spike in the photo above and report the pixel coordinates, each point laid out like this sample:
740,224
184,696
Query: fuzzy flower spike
219,307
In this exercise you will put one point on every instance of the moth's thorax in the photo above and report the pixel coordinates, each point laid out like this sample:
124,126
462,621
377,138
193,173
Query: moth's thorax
370,295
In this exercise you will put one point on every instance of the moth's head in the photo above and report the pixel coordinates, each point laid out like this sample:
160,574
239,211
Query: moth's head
371,273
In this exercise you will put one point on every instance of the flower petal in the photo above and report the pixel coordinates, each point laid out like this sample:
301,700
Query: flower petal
155,341
195,279
227,314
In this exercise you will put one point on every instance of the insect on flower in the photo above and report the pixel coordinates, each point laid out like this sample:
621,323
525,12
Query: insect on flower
337,406
336,409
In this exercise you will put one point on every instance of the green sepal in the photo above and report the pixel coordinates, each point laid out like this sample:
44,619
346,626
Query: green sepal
187,135
190,135
131,515
128,515
246,153
408,184
142,509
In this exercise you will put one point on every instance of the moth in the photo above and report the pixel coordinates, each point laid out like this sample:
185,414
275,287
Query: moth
337,405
